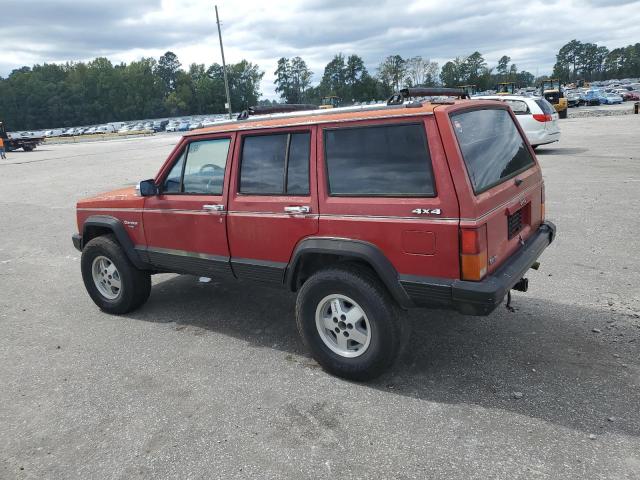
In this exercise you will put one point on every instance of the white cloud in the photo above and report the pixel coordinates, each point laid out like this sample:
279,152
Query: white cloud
262,31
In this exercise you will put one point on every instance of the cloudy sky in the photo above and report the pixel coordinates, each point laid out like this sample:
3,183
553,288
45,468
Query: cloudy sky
529,31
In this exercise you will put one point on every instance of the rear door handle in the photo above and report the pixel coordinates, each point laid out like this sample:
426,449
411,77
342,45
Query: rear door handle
297,209
213,208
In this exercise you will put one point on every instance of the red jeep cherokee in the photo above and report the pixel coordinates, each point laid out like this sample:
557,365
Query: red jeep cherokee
363,211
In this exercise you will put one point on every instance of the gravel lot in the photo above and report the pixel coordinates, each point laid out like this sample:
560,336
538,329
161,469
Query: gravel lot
211,381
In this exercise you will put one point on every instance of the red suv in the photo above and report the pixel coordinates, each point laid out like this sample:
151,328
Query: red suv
364,211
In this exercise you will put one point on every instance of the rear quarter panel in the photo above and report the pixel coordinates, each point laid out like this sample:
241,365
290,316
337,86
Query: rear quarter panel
415,244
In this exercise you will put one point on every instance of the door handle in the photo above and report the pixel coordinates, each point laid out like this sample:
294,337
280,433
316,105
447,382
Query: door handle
297,209
213,208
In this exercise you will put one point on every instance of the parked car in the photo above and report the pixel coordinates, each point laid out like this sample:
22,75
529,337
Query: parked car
105,129
536,116
69,132
172,127
159,126
56,132
183,127
195,125
573,99
90,131
592,97
362,212
612,99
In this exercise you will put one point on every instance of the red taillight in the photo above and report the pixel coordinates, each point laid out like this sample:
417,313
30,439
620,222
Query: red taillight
542,117
473,253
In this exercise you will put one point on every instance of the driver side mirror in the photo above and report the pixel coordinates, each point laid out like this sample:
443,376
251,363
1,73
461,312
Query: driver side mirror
147,188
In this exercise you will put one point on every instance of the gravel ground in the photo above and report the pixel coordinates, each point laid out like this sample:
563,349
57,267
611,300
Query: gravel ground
625,108
211,380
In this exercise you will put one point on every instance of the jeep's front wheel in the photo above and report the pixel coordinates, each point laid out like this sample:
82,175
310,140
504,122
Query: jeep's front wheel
112,281
349,322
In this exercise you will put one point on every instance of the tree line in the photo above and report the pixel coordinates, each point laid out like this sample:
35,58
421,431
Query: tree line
590,61
72,94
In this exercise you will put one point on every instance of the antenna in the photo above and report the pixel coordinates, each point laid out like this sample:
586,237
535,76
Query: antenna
224,66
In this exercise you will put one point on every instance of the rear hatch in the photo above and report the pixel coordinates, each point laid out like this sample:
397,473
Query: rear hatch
499,186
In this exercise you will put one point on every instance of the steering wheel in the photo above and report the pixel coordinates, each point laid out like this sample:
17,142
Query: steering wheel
209,166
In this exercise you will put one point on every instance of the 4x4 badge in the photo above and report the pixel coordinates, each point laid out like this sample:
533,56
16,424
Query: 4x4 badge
427,211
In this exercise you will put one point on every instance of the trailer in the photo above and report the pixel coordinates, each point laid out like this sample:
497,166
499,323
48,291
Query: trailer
15,143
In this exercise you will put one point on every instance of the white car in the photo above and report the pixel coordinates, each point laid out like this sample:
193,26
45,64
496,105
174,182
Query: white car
56,132
536,116
105,129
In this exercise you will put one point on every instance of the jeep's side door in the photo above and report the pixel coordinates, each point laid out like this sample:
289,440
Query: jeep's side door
185,224
273,202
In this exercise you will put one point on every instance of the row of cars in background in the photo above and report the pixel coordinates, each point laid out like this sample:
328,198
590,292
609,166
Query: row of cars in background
125,128
611,92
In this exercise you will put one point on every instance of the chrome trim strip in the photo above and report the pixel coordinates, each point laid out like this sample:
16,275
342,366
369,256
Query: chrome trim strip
183,253
315,215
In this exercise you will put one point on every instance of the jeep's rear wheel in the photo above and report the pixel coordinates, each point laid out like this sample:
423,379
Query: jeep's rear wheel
349,322
112,281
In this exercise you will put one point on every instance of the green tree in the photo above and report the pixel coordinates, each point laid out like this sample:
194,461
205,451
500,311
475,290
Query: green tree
167,69
392,72
503,67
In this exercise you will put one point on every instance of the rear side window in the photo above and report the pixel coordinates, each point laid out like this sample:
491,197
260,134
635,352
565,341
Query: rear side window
492,147
518,106
275,164
545,106
387,160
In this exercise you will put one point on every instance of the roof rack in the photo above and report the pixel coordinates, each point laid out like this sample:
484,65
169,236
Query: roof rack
280,108
399,98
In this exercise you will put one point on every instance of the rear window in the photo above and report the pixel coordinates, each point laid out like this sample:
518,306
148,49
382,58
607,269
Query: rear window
385,160
545,106
492,147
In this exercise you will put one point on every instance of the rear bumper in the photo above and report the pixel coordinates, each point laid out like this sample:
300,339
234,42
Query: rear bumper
480,298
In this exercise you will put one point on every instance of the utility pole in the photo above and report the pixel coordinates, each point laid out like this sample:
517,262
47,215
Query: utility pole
224,65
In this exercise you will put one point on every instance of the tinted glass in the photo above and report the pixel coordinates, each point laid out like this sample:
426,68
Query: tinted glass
172,182
204,172
545,106
390,160
298,174
491,145
262,167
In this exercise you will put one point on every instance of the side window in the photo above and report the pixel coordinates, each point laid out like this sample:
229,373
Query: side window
386,160
518,106
200,169
275,164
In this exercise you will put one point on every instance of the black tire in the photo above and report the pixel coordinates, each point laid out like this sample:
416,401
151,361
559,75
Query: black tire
135,284
27,148
563,113
386,333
